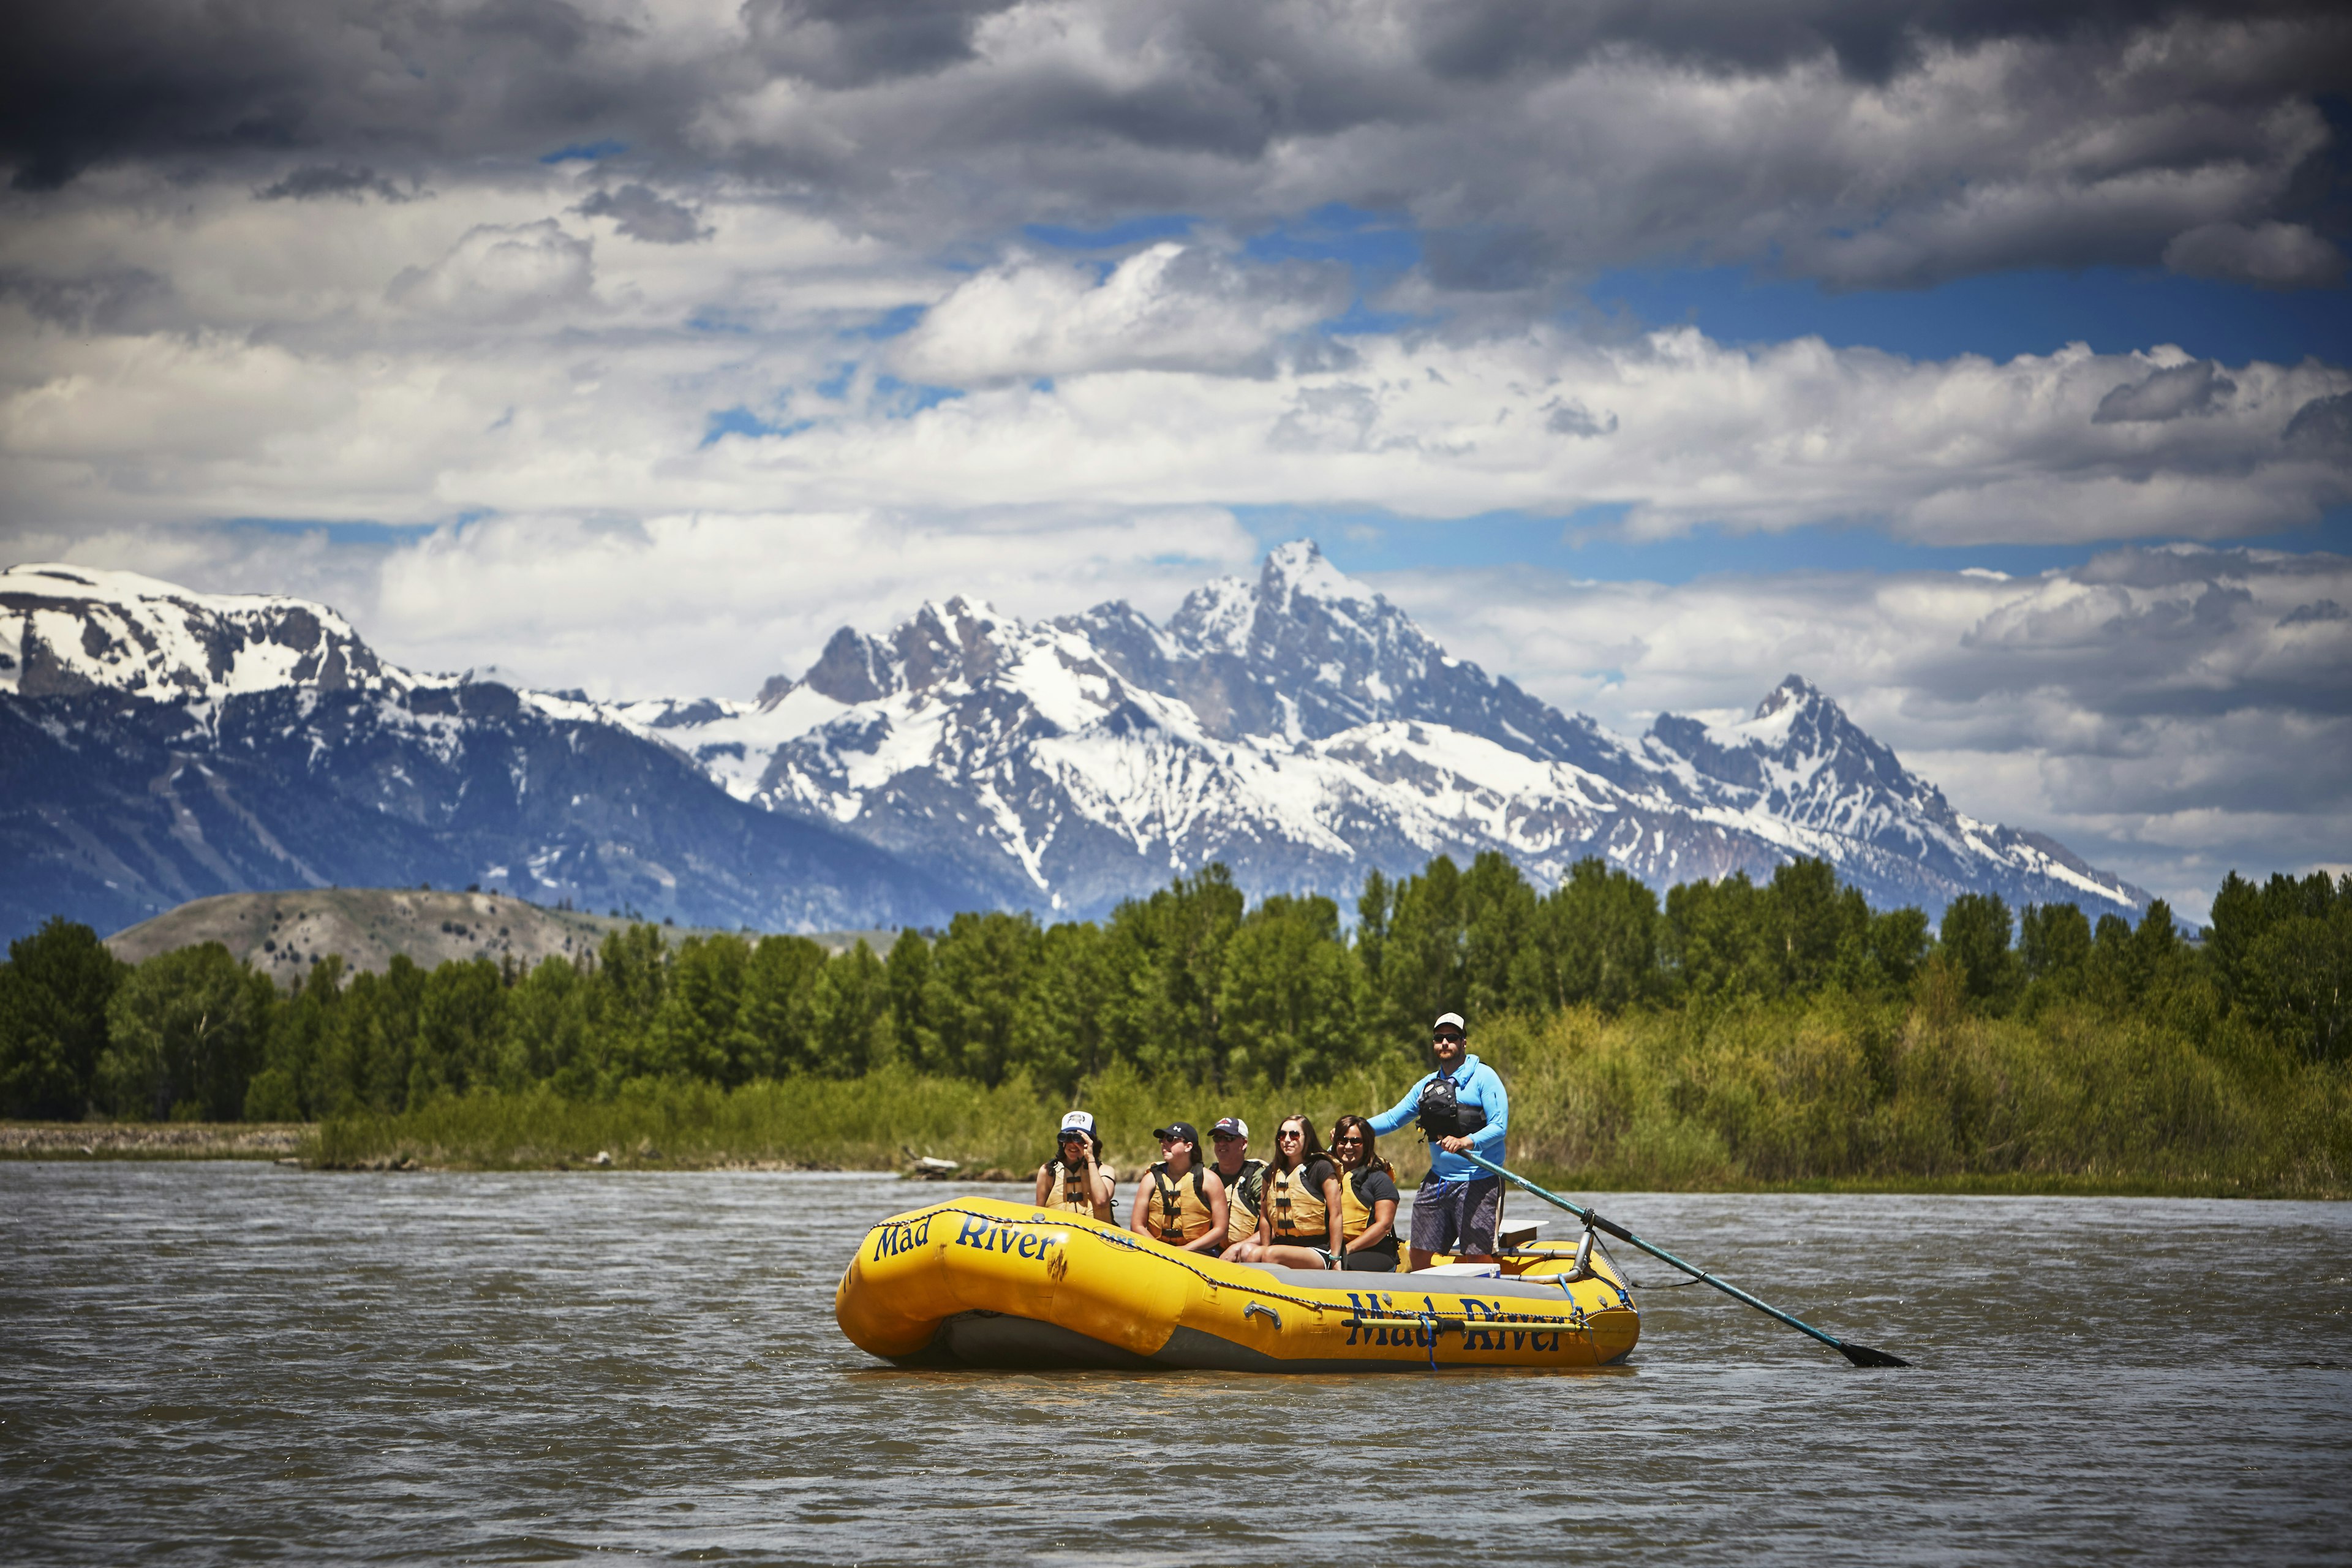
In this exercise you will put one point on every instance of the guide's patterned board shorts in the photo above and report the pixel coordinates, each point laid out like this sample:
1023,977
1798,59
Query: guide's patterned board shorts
1456,1216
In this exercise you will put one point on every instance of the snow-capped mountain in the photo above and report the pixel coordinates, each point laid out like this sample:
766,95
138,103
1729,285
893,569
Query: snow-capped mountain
1303,731
157,744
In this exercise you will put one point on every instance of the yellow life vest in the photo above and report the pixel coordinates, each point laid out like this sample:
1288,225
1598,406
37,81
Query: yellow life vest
1073,1198
1299,1217
1355,1214
1242,1194
1180,1208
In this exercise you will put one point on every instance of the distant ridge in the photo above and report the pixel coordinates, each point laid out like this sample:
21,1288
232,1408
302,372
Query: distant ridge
158,746
282,933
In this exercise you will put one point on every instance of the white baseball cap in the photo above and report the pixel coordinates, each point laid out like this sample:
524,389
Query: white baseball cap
1079,1121
1453,1018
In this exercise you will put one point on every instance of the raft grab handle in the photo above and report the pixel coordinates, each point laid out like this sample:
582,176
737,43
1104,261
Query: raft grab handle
1255,1306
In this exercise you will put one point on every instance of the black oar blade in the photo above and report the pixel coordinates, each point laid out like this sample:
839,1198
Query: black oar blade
1863,1355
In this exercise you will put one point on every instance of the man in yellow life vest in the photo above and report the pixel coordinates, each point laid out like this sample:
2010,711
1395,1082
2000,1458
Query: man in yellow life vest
1243,1177
1179,1201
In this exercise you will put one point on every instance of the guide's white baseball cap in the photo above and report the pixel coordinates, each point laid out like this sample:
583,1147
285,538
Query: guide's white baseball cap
1453,1018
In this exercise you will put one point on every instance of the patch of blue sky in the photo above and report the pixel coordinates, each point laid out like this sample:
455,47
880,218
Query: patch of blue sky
345,531
895,399
584,153
1591,543
1378,245
741,421
1119,236
720,319
896,321
2000,315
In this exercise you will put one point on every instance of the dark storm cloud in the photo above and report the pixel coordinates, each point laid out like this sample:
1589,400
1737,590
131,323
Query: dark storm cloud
850,43
2322,429
2168,394
114,300
1533,143
641,212
315,180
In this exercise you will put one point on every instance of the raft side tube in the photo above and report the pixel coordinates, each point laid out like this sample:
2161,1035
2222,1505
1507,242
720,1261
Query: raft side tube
981,1282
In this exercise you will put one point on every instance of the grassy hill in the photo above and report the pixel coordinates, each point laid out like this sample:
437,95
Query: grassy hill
280,933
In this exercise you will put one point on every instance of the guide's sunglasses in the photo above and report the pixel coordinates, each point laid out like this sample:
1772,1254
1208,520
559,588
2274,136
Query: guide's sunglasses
1446,1037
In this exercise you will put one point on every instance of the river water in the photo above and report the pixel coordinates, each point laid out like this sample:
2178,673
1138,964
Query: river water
208,1363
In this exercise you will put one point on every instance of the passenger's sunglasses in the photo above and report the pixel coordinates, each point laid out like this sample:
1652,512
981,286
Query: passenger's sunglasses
1289,1132
1225,1137
1343,1142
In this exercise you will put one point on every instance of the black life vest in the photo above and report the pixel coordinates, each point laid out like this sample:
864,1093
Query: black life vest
1443,1114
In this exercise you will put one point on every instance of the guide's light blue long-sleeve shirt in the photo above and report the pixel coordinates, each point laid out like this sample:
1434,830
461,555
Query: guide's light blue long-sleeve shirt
1474,1083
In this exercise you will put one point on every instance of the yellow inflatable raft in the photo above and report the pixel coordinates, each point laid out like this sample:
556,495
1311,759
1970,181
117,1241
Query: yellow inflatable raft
979,1282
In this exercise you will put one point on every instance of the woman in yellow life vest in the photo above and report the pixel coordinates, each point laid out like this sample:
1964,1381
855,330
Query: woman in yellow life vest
1077,1179
1299,1207
1368,1199
1179,1201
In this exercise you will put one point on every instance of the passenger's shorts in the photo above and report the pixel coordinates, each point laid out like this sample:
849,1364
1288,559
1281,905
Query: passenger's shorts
1456,1216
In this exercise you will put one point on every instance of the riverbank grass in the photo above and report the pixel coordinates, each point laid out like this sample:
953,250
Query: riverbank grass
1832,1095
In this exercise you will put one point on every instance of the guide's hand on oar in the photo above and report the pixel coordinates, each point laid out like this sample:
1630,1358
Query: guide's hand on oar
1860,1355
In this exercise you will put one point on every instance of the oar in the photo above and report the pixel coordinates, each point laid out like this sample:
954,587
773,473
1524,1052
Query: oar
1860,1355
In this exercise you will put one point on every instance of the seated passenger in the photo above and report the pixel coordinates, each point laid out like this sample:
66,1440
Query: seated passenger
1077,1179
1299,1226
1179,1200
1368,1199
1244,1180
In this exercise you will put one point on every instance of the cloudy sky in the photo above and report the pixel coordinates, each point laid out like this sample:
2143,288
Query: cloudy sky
1985,363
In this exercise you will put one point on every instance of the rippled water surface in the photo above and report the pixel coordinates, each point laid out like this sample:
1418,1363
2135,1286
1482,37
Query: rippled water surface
212,1362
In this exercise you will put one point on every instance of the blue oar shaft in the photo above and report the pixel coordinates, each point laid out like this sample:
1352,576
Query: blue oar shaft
1660,1253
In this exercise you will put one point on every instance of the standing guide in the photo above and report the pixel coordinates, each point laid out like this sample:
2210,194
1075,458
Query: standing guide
1461,1106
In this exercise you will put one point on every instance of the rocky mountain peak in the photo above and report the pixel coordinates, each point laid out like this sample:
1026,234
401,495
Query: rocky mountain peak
71,629
958,641
1794,692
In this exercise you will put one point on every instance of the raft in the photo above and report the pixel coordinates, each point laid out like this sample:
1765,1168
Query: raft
979,1282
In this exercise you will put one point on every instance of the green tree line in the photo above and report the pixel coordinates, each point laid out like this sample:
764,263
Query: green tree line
1190,984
